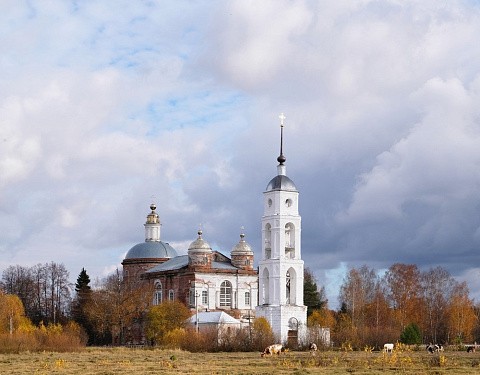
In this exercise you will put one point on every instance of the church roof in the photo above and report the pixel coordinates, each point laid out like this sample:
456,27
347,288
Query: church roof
181,261
213,317
281,182
223,266
151,249
171,264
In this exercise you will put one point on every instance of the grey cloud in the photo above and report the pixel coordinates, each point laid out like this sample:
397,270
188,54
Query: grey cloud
182,102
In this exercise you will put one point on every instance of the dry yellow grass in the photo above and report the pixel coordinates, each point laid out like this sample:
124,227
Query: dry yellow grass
112,361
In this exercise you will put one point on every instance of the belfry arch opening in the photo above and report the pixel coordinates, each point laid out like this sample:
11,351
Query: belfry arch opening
291,287
268,241
290,241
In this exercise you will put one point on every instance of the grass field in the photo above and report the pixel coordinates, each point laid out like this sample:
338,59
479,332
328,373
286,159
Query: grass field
147,361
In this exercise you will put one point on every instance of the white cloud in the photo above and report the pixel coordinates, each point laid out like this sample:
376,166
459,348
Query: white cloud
102,109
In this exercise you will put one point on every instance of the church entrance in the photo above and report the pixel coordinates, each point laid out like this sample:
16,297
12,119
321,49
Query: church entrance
292,339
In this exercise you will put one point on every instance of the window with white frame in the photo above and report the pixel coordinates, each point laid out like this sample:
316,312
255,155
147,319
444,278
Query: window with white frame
226,294
171,295
204,298
247,299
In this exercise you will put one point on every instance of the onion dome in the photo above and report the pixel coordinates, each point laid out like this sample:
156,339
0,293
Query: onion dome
200,245
200,253
242,254
242,248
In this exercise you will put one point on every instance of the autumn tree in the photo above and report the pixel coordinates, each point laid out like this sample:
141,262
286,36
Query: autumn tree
262,333
378,317
461,315
344,331
17,280
165,318
357,293
403,293
12,314
317,321
476,329
436,288
115,304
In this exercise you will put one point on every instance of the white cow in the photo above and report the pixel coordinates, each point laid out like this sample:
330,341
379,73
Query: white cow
273,349
388,348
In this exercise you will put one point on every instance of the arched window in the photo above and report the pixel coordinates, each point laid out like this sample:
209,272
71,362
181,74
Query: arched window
171,295
158,293
226,294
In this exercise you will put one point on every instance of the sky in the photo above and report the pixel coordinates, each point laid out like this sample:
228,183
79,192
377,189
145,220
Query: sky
106,106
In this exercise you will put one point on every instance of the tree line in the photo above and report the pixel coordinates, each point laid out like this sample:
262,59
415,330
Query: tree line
404,304
44,290
375,309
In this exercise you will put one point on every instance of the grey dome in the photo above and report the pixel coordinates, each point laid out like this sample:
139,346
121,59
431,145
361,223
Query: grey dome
151,249
281,182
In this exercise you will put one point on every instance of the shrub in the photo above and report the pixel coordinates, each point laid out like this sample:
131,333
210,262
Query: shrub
173,339
53,337
262,334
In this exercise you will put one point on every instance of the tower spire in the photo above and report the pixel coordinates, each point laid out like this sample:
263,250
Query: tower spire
281,159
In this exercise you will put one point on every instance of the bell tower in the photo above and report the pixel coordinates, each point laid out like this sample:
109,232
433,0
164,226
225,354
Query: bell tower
280,270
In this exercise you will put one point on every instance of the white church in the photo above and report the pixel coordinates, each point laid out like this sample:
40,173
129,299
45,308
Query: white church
208,281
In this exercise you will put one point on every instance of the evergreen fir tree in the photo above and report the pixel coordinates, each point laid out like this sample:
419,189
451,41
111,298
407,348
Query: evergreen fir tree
80,302
81,286
312,297
411,335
